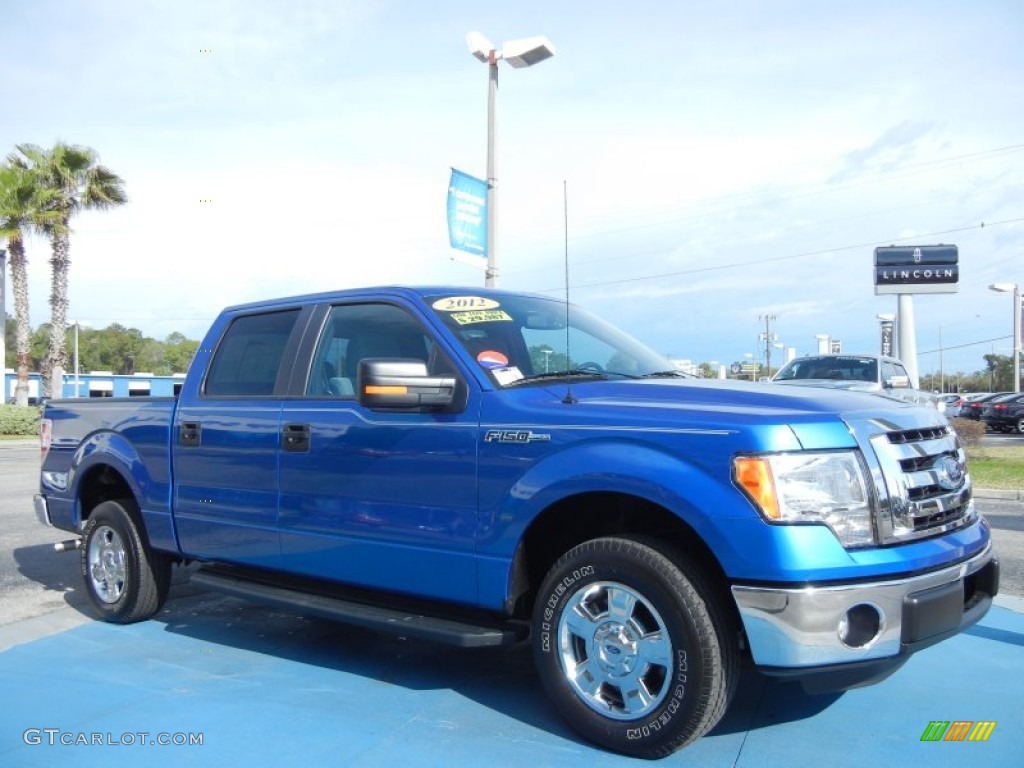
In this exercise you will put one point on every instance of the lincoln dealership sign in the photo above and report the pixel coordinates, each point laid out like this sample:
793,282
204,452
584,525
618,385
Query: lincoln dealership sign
916,269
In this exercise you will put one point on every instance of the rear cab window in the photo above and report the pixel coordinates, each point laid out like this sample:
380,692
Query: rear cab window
248,359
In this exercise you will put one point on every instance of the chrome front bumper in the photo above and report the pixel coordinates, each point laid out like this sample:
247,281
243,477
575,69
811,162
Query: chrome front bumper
829,625
42,510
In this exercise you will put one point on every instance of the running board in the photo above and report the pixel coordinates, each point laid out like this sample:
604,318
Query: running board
440,629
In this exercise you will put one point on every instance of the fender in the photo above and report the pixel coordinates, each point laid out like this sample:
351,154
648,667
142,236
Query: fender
612,465
113,450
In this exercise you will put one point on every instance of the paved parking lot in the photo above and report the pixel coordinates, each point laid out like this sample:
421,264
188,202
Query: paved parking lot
261,687
258,686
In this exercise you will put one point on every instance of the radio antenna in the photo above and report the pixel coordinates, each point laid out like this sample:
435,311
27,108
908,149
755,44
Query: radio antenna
568,399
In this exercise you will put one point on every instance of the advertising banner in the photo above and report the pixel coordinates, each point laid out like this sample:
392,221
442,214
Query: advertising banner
467,214
888,326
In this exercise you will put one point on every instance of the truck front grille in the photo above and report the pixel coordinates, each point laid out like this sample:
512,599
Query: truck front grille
923,485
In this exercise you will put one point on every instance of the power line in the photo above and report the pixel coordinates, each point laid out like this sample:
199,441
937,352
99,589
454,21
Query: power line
968,344
773,259
738,200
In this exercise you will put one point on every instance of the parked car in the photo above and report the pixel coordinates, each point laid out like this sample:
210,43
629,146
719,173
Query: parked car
1005,414
973,409
878,374
953,403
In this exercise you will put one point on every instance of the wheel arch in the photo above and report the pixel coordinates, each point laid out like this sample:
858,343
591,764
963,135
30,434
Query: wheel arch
107,467
590,515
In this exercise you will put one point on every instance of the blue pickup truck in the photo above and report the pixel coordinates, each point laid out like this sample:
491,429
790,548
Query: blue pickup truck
482,467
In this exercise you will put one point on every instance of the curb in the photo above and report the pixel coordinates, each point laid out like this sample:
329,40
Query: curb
999,493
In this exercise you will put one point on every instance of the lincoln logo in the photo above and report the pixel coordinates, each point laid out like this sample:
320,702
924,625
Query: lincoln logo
949,473
940,274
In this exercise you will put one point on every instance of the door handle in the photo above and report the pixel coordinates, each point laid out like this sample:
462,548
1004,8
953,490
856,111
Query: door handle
295,437
189,432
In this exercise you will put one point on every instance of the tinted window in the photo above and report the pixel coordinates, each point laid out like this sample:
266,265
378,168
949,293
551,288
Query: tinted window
355,332
249,356
831,367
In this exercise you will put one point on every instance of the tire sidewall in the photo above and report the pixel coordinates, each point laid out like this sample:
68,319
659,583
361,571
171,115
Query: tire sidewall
112,515
667,726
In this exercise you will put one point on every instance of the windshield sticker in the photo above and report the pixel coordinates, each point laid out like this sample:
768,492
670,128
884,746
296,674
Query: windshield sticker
506,376
480,316
460,303
492,359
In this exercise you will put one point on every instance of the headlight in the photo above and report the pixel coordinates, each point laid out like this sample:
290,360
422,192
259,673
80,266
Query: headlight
826,488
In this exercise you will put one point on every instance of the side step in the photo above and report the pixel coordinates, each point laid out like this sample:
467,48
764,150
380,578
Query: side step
441,629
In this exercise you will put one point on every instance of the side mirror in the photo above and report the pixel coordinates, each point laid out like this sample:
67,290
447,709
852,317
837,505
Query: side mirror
897,382
402,384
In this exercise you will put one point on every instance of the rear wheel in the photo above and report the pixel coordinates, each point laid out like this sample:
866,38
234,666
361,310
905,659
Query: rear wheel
1020,426
126,581
633,648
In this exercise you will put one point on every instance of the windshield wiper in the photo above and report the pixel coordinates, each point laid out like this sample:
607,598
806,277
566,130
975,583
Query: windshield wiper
672,374
574,373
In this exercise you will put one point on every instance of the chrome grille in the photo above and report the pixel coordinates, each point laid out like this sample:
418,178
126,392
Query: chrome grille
921,478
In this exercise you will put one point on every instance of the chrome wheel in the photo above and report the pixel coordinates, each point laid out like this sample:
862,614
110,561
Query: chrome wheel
615,650
107,564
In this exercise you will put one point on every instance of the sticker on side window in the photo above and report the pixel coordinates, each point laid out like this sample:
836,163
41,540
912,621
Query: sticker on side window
481,316
461,303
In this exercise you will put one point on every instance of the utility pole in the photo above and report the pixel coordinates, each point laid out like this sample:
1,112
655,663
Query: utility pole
769,339
3,325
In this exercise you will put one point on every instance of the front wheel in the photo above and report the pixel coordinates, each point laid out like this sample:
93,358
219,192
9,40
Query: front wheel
633,648
126,581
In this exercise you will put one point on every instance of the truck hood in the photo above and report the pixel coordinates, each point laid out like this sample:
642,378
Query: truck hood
818,417
853,386
903,394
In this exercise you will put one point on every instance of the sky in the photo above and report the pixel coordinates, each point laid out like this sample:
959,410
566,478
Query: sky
700,165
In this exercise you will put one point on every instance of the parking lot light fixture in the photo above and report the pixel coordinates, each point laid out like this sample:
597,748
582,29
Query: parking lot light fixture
1013,288
519,54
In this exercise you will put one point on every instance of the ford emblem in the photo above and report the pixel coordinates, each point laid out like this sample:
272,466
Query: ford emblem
949,473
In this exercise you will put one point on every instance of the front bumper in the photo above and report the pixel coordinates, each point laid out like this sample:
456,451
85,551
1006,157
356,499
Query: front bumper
42,509
809,628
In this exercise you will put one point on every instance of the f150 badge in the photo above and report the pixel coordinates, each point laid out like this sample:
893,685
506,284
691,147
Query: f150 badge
515,436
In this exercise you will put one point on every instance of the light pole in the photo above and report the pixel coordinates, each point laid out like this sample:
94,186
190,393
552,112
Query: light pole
520,54
1013,288
77,382
3,325
76,325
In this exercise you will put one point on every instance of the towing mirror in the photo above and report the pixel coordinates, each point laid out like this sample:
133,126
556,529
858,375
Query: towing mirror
402,384
897,382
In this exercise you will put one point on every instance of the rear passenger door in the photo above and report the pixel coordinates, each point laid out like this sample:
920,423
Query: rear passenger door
380,499
226,440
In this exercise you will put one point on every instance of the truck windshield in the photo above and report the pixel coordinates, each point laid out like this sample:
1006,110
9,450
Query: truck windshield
520,338
830,367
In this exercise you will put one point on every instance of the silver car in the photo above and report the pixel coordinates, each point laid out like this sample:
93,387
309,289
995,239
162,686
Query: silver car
882,375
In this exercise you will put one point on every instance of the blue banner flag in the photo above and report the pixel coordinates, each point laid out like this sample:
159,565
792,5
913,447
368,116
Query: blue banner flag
467,213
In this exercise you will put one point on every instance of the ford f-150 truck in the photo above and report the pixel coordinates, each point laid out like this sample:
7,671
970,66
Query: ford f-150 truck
481,467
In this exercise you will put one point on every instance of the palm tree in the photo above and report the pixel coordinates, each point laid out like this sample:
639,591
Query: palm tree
25,207
79,183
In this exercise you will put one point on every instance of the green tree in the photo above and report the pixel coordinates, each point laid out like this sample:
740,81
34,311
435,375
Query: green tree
545,360
73,176
178,352
1000,370
26,206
